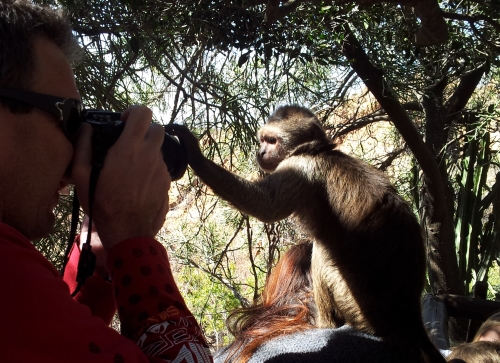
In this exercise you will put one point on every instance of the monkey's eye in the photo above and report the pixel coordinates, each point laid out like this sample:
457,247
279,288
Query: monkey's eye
270,140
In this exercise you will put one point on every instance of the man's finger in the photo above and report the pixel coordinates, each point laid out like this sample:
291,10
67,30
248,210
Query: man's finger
155,135
137,120
83,145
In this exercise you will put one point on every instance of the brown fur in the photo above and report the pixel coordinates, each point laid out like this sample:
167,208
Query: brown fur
368,261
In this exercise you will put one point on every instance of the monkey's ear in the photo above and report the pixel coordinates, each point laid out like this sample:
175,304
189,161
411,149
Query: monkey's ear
317,129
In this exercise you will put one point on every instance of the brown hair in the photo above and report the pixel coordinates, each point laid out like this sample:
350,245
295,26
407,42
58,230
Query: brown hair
21,22
476,352
286,305
490,323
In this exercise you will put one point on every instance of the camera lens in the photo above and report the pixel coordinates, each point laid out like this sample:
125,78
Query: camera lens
175,156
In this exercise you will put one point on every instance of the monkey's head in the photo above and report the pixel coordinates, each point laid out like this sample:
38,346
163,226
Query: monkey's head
287,128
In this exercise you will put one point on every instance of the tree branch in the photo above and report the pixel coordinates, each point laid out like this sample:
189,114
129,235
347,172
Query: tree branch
244,301
467,86
374,80
390,158
377,116
433,29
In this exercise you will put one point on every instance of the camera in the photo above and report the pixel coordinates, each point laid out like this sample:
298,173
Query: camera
107,127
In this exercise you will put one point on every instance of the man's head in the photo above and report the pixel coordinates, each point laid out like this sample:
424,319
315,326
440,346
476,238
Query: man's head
20,22
36,50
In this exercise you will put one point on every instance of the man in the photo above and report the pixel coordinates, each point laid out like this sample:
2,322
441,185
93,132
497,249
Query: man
39,321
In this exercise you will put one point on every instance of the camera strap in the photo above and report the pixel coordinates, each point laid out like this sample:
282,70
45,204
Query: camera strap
87,260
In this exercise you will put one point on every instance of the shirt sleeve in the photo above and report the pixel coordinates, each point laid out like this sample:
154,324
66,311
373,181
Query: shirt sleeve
151,309
96,293
42,323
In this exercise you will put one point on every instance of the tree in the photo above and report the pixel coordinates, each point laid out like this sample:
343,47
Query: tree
222,66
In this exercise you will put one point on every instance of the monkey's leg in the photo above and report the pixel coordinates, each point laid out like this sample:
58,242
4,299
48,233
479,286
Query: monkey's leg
323,274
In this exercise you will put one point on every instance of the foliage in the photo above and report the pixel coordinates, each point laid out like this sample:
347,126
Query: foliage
220,68
209,301
494,282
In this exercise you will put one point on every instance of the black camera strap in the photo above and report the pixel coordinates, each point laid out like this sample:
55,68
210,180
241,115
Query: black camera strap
87,260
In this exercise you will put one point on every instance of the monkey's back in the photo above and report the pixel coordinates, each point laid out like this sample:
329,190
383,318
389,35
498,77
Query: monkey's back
369,252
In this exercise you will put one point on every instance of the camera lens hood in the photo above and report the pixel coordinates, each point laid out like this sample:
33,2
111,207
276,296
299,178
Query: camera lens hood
175,156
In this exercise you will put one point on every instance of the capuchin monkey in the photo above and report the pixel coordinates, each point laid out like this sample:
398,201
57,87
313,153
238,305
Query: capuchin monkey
368,262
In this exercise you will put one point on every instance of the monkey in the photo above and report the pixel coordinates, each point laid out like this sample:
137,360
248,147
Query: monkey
368,260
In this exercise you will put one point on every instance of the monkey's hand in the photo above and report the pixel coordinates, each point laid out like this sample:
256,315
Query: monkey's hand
189,141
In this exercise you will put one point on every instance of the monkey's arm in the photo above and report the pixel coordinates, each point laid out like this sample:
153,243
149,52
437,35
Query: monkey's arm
270,199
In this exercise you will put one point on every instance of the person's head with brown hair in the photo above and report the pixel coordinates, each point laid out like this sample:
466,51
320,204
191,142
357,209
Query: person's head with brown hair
21,24
489,330
286,305
37,48
476,352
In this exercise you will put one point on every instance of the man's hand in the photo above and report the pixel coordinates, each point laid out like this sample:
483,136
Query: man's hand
131,198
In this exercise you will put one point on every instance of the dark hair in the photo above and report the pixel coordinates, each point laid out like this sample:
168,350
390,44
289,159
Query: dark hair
476,352
21,22
286,305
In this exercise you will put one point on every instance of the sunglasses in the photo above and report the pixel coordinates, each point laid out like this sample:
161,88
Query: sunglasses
66,110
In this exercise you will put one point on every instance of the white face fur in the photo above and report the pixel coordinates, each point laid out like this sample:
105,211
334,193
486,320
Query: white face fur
272,150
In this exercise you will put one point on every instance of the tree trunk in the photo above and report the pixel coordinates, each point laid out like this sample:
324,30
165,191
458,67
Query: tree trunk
439,231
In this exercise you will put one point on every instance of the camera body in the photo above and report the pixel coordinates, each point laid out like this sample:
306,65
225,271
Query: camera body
107,127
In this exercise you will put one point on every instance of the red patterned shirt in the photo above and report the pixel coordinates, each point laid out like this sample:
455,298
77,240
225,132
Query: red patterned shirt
40,322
